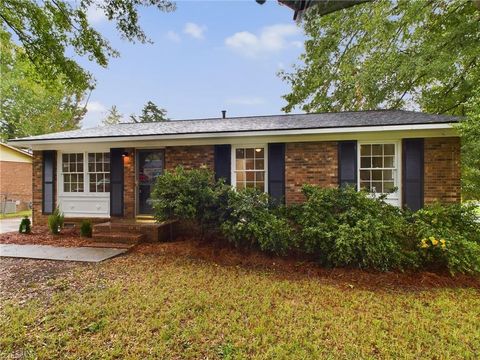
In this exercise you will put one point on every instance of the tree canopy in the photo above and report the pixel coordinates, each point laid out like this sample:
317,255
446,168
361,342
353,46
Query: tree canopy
389,54
28,104
50,29
113,116
416,55
150,113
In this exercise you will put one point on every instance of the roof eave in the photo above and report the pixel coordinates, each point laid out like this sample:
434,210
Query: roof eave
233,134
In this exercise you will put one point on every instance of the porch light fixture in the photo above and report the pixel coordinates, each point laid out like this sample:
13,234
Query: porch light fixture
125,154
258,150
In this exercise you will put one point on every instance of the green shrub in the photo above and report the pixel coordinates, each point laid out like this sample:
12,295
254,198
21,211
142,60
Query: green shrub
343,227
192,195
86,228
250,220
25,226
447,236
55,221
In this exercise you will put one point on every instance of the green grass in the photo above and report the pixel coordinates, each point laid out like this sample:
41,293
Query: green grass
142,306
17,214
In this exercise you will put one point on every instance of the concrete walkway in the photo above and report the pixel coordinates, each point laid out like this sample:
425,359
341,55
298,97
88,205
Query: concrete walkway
46,252
8,225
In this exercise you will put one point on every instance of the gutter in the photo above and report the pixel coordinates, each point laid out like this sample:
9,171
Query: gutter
232,134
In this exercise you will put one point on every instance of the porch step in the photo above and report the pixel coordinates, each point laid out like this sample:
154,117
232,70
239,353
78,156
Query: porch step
118,237
115,245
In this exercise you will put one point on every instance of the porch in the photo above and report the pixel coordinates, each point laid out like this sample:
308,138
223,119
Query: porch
133,231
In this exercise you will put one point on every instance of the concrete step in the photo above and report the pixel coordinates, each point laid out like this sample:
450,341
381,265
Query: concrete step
118,237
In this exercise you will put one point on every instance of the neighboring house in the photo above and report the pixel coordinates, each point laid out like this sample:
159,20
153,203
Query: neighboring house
109,171
15,178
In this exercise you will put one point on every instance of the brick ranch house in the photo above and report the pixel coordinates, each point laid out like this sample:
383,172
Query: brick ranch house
15,179
108,172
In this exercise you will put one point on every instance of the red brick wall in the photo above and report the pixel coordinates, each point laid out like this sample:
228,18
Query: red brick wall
189,157
129,184
16,182
37,173
442,170
309,163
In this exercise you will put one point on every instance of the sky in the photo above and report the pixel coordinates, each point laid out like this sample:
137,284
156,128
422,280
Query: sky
207,56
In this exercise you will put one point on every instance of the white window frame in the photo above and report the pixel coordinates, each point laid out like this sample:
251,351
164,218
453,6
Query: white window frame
62,173
86,185
89,173
234,162
396,197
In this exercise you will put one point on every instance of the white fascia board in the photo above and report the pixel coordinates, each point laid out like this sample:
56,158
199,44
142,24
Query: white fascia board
235,137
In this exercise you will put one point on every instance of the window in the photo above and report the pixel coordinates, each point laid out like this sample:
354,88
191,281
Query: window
378,167
90,168
249,171
99,172
72,171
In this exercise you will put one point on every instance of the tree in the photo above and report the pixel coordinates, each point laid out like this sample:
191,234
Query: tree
391,54
47,30
28,104
113,117
150,113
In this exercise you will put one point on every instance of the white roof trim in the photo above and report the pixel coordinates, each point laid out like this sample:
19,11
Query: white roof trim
354,129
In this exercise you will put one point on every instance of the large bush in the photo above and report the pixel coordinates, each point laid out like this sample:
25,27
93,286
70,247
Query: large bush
448,236
192,195
251,220
343,227
337,226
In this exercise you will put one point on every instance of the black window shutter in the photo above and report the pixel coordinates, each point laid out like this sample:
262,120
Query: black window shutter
347,163
48,178
276,171
116,182
223,161
412,173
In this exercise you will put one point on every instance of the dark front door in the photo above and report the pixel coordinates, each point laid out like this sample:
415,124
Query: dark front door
150,166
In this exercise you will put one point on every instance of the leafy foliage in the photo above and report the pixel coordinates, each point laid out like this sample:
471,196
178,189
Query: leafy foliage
470,131
50,29
55,221
30,105
25,226
192,195
343,227
448,236
150,113
86,228
337,226
251,221
389,54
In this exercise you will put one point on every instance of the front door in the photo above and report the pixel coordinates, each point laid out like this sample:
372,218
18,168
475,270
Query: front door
150,166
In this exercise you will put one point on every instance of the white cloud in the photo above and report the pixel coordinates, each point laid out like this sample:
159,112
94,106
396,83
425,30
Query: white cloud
95,15
96,107
194,30
246,100
173,36
271,39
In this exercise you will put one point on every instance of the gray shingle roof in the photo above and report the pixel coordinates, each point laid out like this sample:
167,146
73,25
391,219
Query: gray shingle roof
253,123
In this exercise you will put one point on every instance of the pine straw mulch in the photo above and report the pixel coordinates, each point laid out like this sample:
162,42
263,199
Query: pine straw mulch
292,267
41,236
296,268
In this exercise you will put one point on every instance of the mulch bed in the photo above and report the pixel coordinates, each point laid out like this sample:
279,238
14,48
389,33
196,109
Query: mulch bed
41,236
222,253
296,268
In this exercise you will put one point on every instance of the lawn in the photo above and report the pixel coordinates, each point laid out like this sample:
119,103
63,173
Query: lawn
178,306
17,214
